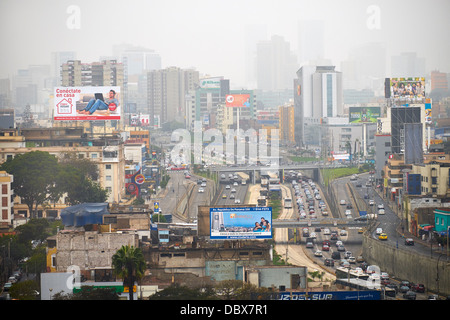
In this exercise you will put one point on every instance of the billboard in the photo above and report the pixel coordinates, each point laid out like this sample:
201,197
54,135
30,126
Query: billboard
407,88
237,100
364,114
87,103
210,83
241,223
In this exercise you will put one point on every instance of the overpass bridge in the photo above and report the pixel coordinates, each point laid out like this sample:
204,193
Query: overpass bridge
253,170
294,223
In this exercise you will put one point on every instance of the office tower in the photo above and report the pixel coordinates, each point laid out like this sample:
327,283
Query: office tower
365,68
310,41
166,90
5,93
253,35
276,64
327,92
318,94
407,64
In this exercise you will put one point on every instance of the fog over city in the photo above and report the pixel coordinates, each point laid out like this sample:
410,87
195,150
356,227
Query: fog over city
210,35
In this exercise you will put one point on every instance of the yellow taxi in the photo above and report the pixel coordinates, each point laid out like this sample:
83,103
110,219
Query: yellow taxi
360,230
383,236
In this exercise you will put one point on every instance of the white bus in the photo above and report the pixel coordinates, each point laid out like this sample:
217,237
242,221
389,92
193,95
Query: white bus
288,203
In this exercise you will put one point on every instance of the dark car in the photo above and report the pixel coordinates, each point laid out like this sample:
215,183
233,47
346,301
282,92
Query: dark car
403,289
392,286
336,255
418,288
409,242
405,283
329,262
409,295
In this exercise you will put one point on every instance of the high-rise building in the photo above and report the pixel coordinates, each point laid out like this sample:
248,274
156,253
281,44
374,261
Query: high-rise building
407,64
166,91
105,73
287,124
327,92
276,64
253,35
439,80
57,60
318,94
310,41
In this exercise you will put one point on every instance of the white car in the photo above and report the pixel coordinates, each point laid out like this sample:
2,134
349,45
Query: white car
381,206
343,232
237,201
379,231
348,212
318,253
227,186
343,202
313,235
371,202
339,243
326,231
381,211
201,190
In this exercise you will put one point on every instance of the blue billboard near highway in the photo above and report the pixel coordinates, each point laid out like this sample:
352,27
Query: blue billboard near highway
241,223
332,295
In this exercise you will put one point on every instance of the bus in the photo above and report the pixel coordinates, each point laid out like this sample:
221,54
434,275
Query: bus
345,273
288,203
261,201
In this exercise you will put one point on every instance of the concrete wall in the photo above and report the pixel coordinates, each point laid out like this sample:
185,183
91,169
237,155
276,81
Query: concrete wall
406,265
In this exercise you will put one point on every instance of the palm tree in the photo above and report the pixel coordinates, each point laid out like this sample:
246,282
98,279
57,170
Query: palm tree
129,264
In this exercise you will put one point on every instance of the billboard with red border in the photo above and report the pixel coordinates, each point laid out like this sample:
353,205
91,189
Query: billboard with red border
87,103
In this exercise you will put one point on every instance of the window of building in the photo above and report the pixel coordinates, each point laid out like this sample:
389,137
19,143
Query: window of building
108,167
4,189
108,178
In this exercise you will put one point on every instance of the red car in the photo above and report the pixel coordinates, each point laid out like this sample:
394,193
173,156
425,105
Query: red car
325,248
418,288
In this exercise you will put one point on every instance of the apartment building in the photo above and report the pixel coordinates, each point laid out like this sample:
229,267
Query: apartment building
287,124
166,91
6,206
106,151
74,73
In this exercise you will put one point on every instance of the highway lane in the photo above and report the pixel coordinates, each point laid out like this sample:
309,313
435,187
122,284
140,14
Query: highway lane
391,223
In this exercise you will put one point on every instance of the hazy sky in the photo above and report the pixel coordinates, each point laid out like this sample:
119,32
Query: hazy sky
210,34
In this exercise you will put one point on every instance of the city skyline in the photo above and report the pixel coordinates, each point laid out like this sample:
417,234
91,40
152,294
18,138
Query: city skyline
210,35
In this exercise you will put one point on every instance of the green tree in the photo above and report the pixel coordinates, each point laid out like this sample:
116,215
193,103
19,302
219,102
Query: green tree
35,178
129,264
25,290
88,293
182,292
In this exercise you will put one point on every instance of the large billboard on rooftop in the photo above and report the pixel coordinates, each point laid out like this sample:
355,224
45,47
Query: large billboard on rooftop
87,103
